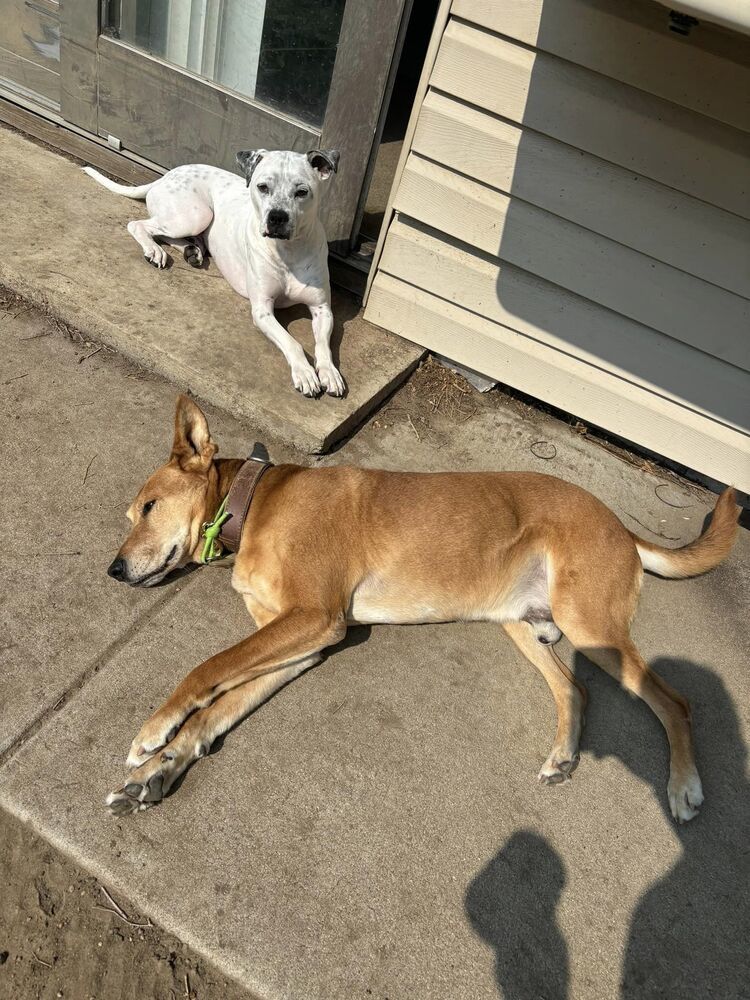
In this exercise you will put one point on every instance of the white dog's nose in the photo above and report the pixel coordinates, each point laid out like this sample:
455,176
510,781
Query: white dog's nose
277,223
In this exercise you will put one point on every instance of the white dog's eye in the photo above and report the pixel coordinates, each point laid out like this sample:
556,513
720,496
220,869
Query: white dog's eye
263,188
301,193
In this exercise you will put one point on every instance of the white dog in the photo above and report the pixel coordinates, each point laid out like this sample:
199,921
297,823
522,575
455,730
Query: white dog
264,235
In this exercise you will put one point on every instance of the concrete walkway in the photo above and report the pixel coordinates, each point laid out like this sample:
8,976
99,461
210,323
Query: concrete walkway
376,830
67,249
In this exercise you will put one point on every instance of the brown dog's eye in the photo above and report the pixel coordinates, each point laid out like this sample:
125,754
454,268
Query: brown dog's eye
147,507
263,188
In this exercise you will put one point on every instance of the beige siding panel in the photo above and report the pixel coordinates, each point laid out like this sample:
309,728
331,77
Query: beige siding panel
570,324
708,72
621,279
656,220
565,382
612,120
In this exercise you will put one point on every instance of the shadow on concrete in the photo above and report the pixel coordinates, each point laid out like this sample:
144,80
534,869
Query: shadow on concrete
511,905
689,932
296,321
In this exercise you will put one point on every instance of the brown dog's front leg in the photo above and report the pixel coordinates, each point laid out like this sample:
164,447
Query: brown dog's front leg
150,782
292,636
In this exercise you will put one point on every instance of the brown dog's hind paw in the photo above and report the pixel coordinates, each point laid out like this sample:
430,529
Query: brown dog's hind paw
558,769
685,797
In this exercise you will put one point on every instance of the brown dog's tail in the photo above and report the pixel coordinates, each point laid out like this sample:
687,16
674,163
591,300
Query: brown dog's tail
706,552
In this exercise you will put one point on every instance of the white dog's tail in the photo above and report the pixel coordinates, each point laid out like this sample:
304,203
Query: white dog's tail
129,192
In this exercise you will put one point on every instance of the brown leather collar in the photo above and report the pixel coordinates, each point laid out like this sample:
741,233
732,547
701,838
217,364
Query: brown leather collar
240,497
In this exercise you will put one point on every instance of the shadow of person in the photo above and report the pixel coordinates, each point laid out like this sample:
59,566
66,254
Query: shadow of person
689,932
511,904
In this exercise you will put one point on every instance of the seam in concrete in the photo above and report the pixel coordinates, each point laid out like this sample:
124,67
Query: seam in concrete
361,415
82,679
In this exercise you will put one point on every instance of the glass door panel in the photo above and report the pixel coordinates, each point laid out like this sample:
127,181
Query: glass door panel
30,50
281,53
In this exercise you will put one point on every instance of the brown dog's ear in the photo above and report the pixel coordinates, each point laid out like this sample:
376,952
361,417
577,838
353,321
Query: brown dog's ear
325,161
192,447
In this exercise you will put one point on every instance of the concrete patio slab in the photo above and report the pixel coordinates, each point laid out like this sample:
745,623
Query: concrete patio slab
376,829
69,252
63,481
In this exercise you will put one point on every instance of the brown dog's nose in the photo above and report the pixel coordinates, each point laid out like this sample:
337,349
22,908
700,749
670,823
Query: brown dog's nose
117,569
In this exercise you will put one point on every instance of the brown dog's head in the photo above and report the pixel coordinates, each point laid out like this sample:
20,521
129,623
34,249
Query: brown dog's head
169,511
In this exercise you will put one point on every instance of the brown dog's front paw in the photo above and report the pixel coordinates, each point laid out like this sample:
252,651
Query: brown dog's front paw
152,737
136,795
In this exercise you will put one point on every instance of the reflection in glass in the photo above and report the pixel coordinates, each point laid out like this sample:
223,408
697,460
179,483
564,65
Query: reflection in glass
279,52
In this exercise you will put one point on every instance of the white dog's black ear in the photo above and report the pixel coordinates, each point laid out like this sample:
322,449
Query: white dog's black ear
248,160
325,161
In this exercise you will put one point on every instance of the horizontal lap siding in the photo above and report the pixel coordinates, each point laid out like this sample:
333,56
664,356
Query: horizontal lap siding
501,292
689,234
607,272
559,379
627,41
581,213
690,152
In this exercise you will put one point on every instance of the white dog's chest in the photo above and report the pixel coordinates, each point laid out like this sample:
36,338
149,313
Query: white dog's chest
285,274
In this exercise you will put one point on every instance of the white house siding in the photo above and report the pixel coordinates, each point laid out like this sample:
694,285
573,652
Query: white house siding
571,216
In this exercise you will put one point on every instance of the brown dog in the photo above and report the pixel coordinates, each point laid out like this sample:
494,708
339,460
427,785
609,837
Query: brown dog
322,548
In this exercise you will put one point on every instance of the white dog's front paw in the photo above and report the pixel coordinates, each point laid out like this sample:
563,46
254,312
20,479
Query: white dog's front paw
331,380
305,380
158,257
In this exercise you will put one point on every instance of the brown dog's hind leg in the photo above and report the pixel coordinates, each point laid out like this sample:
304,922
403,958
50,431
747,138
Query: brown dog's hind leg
597,623
621,660
593,596
570,699
151,781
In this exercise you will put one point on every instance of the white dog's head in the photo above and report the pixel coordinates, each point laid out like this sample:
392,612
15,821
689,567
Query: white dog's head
285,187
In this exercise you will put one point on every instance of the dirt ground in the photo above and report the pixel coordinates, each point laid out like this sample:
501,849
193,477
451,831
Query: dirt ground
61,936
